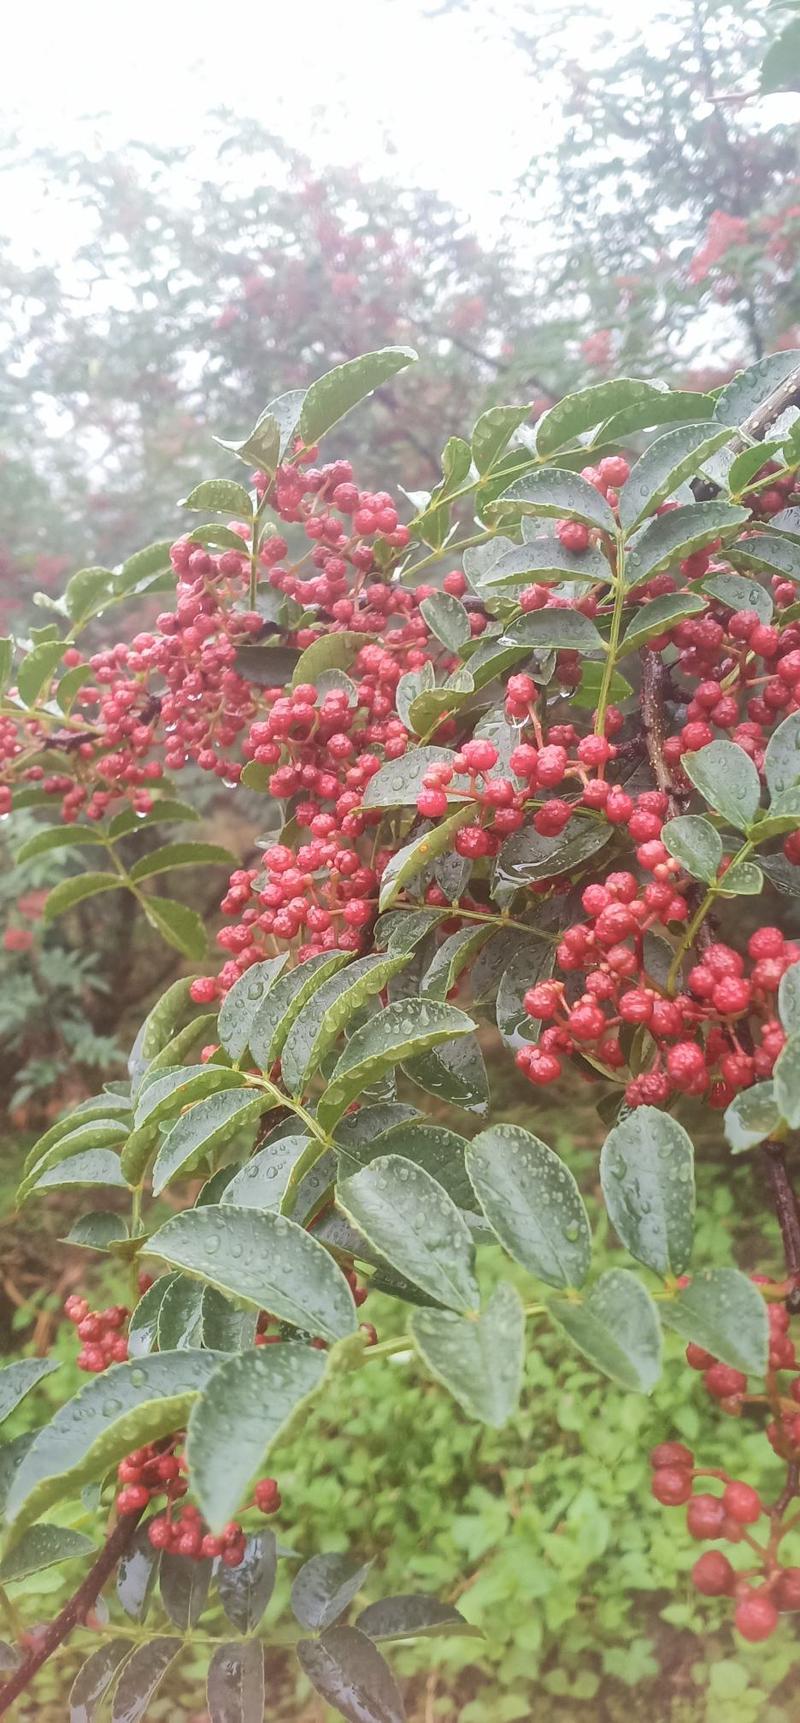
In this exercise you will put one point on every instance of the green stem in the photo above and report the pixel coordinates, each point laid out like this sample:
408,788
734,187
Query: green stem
693,927
613,640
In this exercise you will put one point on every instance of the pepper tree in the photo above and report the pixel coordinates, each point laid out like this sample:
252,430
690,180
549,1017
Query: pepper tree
536,751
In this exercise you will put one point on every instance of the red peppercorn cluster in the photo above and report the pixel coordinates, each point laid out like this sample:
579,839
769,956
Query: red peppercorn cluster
184,1533
100,1333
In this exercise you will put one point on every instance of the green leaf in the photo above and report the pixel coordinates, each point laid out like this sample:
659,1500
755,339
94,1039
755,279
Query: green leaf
324,1588
738,593
178,925
446,617
409,1218
331,651
348,1671
455,1072
727,779
750,389
267,666
173,1090
782,756
480,1362
580,412
235,1686
413,1615
242,1002
329,1010
647,1175
742,879
181,1044
95,1167
37,668
554,491
696,845
203,1129
532,1203
263,1181
245,1591
527,857
616,1327
49,838
563,630
414,683
438,1151
132,1403
401,1032
143,1327
68,892
769,552
332,396
154,559
746,466
663,467
586,694
220,496
225,1327
6,661
159,1027
669,406
141,1677
538,557
284,1002
493,430
398,783
184,1589
90,1134
789,999
786,1078
658,616
264,1259
85,591
531,963
17,1380
451,958
410,860
782,816
724,1312
180,855
40,1547
94,1679
751,1116
180,1315
137,1574
673,536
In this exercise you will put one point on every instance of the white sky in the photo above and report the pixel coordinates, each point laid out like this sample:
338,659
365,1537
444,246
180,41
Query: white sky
370,82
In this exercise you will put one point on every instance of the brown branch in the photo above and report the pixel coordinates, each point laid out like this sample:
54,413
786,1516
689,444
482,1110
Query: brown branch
756,427
73,1613
655,683
785,1204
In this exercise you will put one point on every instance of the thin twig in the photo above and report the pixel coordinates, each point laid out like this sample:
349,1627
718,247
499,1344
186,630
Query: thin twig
73,1613
785,1203
655,681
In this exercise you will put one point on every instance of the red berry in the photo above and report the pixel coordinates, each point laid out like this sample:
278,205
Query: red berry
672,1485
704,1516
756,1616
742,1503
713,1575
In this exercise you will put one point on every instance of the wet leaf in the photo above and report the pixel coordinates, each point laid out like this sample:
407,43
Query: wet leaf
616,1327
532,1203
245,1406
647,1175
480,1362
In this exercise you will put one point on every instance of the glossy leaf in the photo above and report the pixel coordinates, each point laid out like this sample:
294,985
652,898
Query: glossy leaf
437,1150
726,776
220,496
751,1116
324,1588
451,958
350,1674
769,552
538,557
782,756
330,652
414,1615
532,1203
750,389
664,466
245,1591
724,1312
671,537
242,1001
141,1677
235,1686
49,838
695,843
616,1327
284,1002
246,1405
159,1026
329,1010
658,617
527,857
530,964
402,1031
415,1226
76,889
263,1258
738,593
94,1679
136,1575
263,1181
177,855
172,1090
98,1230
454,1072
178,925
786,1077
492,433
91,1134
554,491
184,1588
93,1167
406,863
647,1175
446,617
130,1404
563,630
480,1362
398,782
332,396
180,1315
40,1547
742,879
225,1328
17,1380
199,1132
577,413
37,668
